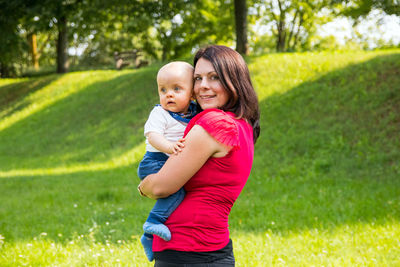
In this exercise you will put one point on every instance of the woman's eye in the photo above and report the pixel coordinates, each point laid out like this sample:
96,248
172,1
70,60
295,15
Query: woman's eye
214,77
197,79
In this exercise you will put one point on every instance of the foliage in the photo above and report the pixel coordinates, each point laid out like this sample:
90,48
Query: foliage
293,22
161,30
357,8
324,189
12,43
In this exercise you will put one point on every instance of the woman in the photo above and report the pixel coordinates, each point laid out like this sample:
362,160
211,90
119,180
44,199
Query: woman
214,165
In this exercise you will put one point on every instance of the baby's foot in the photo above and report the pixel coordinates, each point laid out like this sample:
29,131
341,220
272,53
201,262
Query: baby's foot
147,244
157,229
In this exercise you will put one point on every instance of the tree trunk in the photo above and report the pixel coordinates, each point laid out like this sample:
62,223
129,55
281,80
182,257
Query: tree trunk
281,41
280,45
296,36
6,71
33,50
292,30
62,46
241,27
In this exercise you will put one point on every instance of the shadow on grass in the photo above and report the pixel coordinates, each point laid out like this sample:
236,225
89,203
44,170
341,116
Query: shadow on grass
14,93
326,157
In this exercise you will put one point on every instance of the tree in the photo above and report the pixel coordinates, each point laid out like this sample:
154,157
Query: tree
241,27
46,16
360,8
184,25
12,44
292,22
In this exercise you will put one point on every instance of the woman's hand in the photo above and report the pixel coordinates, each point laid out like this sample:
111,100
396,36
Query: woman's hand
199,147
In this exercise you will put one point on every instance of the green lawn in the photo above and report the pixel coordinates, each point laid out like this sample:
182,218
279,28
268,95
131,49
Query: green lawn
324,189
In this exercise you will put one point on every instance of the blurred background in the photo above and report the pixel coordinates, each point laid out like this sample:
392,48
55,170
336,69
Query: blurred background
41,37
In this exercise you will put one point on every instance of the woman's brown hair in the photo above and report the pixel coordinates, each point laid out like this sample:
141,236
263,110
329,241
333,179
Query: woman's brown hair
235,77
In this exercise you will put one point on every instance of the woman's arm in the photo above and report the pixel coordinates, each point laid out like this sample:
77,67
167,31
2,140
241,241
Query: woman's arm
199,147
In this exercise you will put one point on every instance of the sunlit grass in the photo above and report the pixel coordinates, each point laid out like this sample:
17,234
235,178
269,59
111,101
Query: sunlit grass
279,73
128,158
348,245
324,188
82,250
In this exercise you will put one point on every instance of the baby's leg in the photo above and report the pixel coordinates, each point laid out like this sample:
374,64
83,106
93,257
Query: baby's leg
159,214
165,206
147,243
152,162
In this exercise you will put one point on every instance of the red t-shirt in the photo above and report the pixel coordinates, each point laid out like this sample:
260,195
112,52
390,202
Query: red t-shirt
200,223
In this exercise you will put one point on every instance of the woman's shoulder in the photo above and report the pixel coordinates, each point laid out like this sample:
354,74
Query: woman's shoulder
215,114
219,124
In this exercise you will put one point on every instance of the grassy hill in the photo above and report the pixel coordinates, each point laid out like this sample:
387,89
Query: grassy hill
324,188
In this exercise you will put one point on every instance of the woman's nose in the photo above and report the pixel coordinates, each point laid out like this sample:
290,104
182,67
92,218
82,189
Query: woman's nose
204,83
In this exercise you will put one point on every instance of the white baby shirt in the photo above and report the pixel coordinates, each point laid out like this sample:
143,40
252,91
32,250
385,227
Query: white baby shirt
160,121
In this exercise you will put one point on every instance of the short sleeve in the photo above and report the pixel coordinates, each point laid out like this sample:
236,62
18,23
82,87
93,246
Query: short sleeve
221,126
156,121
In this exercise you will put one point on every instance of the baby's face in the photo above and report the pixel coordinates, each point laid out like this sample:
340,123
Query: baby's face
175,89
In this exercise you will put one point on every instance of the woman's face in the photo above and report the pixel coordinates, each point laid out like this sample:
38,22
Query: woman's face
208,88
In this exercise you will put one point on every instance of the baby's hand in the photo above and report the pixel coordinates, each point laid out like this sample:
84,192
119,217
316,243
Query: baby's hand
178,146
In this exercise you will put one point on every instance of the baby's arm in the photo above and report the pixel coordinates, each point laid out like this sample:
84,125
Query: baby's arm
159,142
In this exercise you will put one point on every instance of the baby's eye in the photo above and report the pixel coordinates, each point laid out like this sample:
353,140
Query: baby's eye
177,89
163,90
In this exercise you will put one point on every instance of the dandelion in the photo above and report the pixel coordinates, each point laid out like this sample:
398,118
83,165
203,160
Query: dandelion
75,205
43,234
107,223
60,235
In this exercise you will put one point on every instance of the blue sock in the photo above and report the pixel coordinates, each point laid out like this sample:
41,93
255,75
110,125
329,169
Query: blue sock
147,243
157,229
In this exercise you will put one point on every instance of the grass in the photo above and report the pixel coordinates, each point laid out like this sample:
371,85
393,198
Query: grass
324,189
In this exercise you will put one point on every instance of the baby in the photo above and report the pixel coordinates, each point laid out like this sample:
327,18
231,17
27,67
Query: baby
164,130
